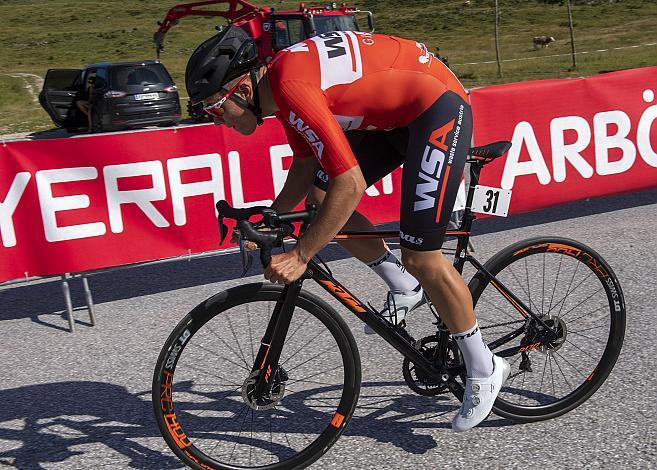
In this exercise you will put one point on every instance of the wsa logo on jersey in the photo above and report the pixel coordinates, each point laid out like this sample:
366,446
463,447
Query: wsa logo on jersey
310,136
340,60
436,161
431,168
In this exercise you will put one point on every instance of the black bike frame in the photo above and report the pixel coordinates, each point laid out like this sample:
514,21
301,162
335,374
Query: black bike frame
397,337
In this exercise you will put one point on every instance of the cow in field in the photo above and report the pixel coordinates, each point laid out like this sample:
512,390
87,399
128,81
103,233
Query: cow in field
542,41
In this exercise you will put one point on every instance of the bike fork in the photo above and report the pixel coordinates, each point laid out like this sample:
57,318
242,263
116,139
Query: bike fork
271,344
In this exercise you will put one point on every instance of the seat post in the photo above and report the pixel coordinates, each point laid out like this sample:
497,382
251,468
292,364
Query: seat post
468,215
475,171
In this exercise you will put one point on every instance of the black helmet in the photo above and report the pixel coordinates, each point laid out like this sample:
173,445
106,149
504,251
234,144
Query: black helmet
219,60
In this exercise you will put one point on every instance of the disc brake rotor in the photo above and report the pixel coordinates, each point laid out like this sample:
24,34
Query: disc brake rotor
559,326
272,396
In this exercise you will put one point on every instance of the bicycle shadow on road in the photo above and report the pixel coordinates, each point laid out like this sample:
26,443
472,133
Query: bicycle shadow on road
400,417
49,423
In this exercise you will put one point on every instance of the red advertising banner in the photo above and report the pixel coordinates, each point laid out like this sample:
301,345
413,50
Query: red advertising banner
89,202
71,205
572,138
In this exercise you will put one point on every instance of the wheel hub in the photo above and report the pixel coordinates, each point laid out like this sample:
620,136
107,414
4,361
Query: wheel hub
272,395
537,333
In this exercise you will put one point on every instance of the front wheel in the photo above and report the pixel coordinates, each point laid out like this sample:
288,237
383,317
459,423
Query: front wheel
204,382
573,290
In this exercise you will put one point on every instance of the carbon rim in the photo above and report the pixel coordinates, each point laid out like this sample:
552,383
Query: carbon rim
201,385
573,290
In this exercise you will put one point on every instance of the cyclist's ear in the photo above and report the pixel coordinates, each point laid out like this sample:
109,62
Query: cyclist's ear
245,90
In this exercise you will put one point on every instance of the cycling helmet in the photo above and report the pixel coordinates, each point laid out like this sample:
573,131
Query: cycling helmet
218,60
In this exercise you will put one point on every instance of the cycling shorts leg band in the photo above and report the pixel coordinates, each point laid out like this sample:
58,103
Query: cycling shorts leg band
438,145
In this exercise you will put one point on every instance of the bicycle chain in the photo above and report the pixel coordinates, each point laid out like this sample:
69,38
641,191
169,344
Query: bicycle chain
501,324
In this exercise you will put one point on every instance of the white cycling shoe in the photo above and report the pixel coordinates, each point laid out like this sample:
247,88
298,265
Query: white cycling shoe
397,306
479,396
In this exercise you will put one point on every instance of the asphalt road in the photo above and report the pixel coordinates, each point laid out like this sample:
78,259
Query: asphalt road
74,401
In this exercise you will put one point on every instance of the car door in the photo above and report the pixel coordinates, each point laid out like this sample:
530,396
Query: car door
60,89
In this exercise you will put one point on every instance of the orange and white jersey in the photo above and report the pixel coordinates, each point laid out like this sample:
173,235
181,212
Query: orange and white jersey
341,81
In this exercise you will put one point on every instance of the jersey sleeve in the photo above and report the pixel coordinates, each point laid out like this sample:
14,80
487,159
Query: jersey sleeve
300,148
304,108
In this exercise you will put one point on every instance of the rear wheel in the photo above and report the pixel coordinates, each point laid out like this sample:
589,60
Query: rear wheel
203,383
573,290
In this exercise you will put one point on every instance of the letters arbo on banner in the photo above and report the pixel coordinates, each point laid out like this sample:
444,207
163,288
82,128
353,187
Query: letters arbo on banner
72,205
572,138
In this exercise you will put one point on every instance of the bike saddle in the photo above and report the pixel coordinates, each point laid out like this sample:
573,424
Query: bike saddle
490,151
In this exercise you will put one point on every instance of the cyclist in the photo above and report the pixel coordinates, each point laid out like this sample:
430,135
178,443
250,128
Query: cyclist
358,105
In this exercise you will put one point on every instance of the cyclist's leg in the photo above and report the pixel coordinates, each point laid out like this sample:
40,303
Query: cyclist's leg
438,147
378,154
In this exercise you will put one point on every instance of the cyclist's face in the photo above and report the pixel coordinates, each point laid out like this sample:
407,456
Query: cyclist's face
234,116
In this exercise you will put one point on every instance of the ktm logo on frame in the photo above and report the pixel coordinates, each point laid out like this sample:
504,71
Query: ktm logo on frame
346,298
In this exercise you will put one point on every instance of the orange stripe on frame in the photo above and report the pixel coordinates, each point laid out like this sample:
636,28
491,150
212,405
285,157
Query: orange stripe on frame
515,305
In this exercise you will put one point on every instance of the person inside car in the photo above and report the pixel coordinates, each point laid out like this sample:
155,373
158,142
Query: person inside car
85,104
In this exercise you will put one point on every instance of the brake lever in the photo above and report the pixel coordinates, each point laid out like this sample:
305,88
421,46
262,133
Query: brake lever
223,230
247,258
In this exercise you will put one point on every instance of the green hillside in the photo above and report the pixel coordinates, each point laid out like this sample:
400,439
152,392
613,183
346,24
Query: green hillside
38,35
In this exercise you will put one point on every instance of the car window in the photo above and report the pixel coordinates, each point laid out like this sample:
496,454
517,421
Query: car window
324,24
287,32
62,80
123,76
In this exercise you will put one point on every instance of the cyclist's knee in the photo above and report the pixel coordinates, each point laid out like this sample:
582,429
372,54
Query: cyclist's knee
423,264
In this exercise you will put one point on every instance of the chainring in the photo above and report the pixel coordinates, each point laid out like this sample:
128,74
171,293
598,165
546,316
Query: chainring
419,381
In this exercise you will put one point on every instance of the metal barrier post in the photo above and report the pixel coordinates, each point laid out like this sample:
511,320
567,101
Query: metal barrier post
89,299
69,303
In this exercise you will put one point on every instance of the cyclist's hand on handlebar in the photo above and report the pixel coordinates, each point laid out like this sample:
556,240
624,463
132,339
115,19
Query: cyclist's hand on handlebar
285,268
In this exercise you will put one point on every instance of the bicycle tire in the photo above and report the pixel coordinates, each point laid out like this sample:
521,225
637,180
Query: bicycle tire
614,304
175,426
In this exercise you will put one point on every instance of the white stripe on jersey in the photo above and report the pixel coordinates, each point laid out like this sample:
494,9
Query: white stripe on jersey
340,61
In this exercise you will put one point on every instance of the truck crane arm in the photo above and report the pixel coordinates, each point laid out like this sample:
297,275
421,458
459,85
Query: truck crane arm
236,9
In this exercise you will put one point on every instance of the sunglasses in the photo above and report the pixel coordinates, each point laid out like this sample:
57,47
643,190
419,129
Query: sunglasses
216,109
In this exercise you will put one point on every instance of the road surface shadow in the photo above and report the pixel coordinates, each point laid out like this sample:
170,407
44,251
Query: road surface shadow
50,423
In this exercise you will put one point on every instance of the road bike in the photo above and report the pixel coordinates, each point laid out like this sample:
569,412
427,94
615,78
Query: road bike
268,376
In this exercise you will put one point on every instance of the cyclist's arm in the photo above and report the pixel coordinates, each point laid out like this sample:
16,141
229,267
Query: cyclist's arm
299,179
343,195
304,107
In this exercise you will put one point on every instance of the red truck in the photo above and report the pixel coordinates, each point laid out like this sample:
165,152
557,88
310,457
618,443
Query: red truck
271,29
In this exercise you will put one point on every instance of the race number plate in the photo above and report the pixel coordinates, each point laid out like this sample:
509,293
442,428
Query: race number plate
492,201
147,96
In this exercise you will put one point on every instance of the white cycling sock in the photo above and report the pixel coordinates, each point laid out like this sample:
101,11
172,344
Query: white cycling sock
477,356
390,269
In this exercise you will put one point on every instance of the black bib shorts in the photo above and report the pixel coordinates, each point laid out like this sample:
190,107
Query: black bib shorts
433,150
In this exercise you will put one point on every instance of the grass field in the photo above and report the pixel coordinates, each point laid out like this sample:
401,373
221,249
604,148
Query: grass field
38,35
